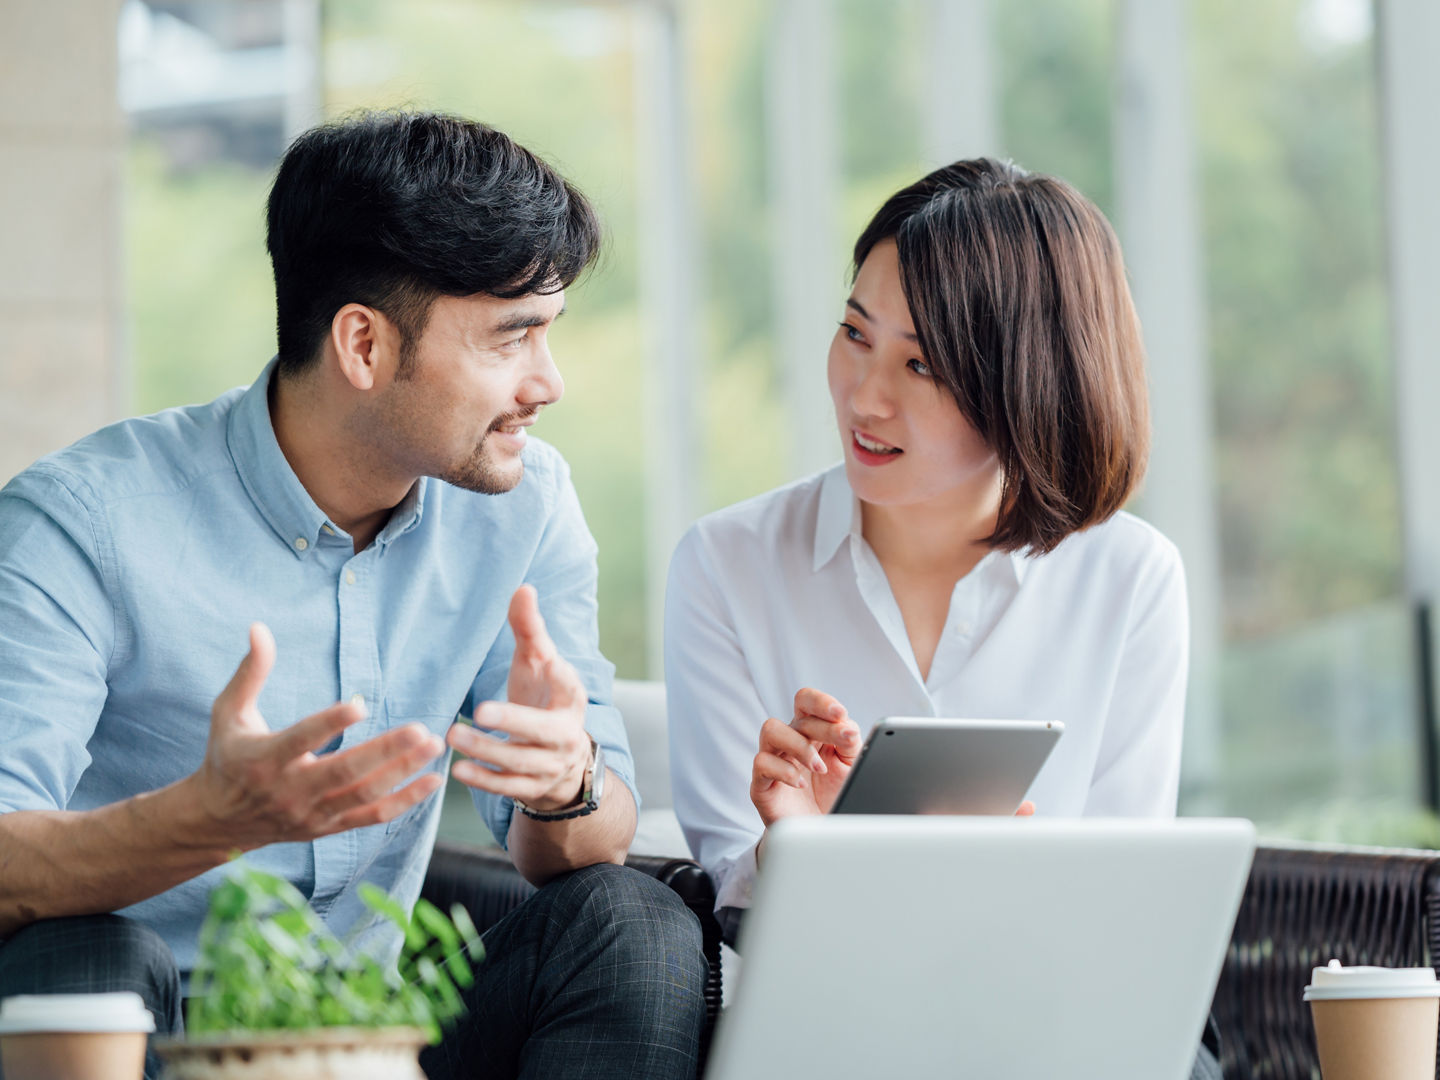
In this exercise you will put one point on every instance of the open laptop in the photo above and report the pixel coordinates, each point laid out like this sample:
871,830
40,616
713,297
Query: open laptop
985,948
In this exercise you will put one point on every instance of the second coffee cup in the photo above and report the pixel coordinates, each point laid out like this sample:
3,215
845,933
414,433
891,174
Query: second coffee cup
1374,1023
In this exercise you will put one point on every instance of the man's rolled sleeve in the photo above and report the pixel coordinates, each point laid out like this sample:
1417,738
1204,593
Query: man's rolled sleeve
57,634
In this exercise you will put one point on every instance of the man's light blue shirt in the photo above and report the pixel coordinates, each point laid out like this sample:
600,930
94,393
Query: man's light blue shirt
133,562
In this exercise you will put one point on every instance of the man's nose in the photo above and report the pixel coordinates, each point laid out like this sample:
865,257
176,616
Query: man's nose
544,386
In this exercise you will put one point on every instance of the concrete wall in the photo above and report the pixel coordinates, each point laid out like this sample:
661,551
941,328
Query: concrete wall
61,141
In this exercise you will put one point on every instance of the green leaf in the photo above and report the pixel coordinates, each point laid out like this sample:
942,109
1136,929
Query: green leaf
465,926
229,901
436,925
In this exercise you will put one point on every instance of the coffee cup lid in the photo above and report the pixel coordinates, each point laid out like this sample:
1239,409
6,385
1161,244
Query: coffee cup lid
75,1012
1335,982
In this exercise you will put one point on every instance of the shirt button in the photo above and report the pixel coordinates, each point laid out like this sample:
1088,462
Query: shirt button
964,629
357,699
349,577
327,530
301,543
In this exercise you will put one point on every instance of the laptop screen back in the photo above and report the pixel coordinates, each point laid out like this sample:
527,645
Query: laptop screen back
1002,949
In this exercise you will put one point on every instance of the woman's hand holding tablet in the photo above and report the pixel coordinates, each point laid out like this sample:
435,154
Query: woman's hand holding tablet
801,766
804,767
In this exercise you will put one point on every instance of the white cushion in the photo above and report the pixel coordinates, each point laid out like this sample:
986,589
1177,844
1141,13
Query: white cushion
642,704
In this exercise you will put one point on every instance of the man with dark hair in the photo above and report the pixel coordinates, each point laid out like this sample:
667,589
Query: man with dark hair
371,513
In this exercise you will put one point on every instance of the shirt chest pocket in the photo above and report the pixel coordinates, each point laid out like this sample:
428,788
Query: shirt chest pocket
436,717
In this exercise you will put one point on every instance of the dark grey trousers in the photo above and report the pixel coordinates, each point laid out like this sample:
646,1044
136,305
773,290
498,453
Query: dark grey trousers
599,974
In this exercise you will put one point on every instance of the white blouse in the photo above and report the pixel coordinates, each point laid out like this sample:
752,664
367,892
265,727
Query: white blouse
782,592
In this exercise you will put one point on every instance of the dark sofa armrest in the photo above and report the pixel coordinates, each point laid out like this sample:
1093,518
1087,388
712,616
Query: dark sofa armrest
485,882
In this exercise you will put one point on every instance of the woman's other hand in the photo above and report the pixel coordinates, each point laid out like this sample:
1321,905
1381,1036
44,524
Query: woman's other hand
802,765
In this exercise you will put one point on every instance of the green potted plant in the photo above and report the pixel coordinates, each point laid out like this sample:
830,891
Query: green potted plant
276,995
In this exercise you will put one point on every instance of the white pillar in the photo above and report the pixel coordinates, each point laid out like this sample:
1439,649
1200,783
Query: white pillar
669,313
1159,223
62,372
960,117
807,262
1408,39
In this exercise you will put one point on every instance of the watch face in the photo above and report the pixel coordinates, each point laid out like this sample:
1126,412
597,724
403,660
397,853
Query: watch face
597,781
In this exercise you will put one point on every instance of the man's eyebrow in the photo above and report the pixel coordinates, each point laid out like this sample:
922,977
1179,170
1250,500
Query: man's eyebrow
852,302
524,321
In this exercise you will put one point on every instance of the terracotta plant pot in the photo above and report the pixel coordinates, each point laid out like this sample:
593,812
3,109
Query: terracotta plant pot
317,1054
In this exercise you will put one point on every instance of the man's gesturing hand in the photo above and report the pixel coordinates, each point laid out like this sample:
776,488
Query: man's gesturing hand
543,760
262,787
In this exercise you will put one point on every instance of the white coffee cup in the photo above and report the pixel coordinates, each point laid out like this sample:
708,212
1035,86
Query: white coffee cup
1374,1023
74,1036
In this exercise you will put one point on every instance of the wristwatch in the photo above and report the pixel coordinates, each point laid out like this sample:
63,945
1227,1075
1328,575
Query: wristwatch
590,790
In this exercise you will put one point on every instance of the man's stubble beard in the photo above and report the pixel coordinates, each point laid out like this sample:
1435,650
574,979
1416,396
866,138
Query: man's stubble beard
479,473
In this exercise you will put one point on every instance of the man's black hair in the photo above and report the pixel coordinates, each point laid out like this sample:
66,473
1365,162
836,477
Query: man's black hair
393,209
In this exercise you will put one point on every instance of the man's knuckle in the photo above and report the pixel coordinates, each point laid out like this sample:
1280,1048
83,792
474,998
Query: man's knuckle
343,773
295,817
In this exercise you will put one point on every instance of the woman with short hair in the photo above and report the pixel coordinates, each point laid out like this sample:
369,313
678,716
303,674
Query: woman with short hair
970,557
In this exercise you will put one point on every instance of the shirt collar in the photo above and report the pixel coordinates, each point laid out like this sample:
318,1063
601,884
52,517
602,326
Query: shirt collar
406,515
275,489
838,517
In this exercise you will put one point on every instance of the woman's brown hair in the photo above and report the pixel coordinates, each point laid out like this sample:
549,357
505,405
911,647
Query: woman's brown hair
1017,288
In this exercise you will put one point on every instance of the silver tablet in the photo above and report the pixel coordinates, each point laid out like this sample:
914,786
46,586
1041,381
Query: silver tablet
932,765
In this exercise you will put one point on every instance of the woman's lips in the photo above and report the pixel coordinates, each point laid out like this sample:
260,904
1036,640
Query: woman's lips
866,456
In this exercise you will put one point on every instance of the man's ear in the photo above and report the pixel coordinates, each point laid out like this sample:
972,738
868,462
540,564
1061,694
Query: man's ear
361,338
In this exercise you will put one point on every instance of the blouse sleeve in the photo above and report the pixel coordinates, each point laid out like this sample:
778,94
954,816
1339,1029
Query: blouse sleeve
715,716
1137,770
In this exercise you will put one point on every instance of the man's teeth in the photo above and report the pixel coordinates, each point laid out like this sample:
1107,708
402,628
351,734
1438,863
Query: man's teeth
875,447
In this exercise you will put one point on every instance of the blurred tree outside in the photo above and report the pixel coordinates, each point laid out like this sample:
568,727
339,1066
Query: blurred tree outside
1317,689
202,301
1294,245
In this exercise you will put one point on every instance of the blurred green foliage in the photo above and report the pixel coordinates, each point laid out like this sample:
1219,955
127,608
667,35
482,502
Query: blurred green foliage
1372,823
1304,392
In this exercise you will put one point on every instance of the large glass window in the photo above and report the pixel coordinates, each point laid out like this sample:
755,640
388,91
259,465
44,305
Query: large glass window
1318,674
1317,680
